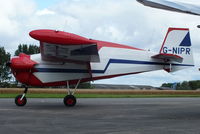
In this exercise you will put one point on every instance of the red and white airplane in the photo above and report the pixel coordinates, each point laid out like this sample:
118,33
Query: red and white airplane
67,59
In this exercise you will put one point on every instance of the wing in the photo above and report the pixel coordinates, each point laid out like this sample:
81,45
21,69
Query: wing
172,6
168,57
63,46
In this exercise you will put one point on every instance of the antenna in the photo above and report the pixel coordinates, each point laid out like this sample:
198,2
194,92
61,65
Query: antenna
65,25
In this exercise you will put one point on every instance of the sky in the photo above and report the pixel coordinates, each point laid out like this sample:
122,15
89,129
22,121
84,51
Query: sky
120,21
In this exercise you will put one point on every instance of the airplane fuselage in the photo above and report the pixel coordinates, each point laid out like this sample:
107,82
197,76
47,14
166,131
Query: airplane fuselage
114,61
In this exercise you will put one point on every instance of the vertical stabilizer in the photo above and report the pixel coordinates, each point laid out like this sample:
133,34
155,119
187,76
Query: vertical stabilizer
178,42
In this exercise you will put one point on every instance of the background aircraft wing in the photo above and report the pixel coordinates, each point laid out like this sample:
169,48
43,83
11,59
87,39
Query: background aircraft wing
63,46
172,6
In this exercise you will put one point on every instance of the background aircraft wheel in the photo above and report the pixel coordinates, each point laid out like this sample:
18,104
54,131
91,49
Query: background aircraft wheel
69,100
20,102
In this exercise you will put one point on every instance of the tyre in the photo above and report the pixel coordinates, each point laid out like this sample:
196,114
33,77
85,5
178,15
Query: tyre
20,102
69,100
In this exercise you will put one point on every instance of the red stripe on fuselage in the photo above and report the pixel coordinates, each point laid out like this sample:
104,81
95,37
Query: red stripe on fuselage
102,44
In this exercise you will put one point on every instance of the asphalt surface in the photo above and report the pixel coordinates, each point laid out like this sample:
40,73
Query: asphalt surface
102,116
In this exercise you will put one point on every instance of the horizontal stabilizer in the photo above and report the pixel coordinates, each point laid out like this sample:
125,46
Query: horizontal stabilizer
168,57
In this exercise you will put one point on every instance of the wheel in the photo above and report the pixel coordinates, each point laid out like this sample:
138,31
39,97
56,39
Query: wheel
69,100
20,102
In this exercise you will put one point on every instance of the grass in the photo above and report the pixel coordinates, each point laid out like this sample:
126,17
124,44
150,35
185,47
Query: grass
100,95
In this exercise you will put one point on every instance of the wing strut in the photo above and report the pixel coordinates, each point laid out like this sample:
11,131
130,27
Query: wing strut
72,91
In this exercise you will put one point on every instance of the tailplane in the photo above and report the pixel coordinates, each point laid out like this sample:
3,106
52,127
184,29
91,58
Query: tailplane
177,49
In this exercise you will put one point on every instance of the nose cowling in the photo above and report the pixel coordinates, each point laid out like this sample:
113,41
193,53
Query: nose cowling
22,62
22,67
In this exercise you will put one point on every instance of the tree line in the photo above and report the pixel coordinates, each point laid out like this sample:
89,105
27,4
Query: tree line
185,85
27,49
4,70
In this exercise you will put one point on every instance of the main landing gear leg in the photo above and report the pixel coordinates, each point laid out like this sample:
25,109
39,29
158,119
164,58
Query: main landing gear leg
70,99
20,100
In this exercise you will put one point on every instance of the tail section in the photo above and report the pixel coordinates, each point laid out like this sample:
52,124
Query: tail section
177,45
